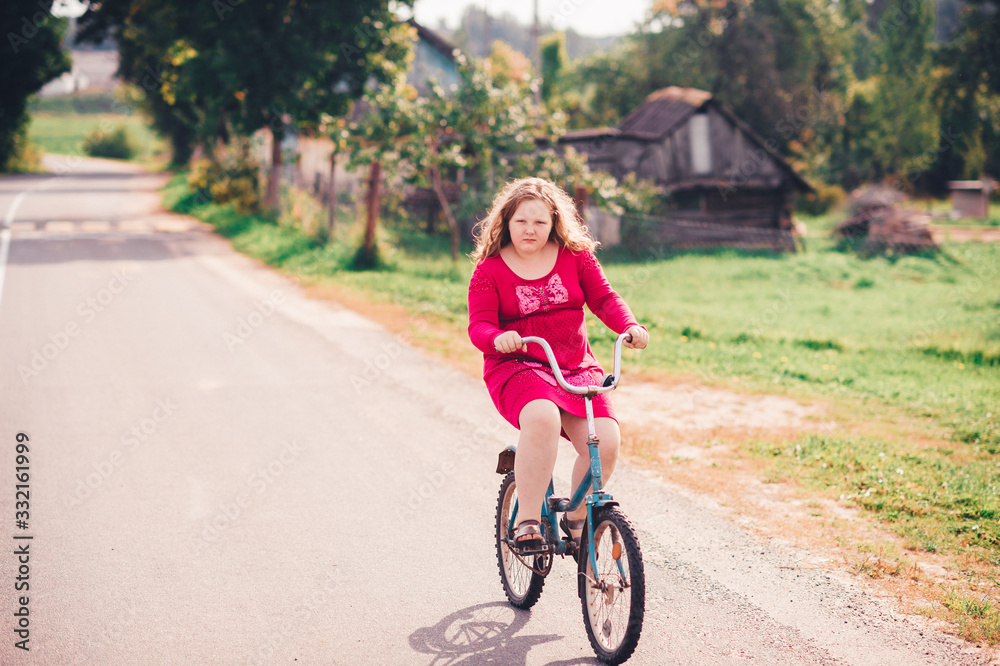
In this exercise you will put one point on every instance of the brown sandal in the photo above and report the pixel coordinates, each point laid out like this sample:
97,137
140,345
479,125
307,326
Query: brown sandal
528,538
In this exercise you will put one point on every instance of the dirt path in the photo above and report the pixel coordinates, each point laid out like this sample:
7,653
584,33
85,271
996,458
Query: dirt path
968,234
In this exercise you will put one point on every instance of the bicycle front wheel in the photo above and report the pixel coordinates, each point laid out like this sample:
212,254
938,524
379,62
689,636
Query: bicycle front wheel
614,596
521,585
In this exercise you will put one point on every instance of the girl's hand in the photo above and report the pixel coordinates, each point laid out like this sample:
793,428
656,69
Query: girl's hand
640,338
508,342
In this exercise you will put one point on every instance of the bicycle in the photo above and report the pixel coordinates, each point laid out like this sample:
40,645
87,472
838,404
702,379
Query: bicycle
610,578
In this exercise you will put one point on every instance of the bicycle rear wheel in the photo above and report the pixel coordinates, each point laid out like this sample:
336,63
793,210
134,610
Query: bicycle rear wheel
521,585
613,598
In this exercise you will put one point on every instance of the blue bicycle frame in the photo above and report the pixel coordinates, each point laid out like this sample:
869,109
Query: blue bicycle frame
594,478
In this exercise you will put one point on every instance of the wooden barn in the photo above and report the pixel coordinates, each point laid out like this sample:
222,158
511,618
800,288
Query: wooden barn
727,186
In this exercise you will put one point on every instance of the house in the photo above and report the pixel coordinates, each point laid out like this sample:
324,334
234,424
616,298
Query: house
726,185
433,59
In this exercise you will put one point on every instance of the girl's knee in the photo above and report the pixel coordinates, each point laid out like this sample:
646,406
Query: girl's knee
540,415
611,438
609,433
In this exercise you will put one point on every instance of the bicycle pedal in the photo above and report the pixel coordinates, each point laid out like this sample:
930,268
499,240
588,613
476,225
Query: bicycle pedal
544,549
554,503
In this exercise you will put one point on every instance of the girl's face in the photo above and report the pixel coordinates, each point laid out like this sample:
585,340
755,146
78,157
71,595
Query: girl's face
530,227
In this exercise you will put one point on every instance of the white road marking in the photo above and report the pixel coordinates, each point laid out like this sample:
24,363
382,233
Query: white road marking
8,222
5,237
134,226
4,249
172,226
95,226
59,227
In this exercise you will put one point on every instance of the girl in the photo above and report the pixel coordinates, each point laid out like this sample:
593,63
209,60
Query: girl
535,268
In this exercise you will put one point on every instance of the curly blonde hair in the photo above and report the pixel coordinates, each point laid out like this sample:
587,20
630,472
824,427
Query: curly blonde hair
568,229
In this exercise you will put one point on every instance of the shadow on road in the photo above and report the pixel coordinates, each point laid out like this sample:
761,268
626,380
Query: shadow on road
481,634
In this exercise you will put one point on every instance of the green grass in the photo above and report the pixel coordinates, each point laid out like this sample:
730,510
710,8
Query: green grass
939,498
918,333
63,134
59,124
416,273
902,337
978,617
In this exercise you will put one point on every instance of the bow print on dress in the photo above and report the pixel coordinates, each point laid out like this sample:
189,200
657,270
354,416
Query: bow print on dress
533,299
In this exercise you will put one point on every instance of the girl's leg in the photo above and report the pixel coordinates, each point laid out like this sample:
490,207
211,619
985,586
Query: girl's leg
610,438
536,456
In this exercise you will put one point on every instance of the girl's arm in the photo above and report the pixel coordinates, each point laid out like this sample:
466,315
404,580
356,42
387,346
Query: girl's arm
602,300
484,311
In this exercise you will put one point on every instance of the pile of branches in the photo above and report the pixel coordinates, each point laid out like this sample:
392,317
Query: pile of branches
879,224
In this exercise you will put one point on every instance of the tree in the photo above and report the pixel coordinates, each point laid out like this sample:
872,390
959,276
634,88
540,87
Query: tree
32,56
902,115
968,97
385,117
554,64
423,140
474,130
487,129
844,90
335,129
217,78
147,34
505,64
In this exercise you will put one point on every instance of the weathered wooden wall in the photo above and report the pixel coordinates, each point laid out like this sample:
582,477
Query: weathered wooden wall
687,234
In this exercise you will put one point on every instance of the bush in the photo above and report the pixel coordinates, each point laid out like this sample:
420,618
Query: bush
25,156
233,180
302,210
822,201
116,144
27,160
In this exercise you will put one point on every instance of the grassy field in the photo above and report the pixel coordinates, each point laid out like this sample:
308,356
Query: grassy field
59,125
885,339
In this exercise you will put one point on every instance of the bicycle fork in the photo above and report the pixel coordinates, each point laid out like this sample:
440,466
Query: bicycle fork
598,498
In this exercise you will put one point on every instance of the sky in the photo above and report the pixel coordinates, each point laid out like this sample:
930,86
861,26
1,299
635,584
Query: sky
596,18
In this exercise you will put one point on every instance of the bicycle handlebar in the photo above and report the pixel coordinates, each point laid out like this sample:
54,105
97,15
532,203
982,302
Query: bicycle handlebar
582,390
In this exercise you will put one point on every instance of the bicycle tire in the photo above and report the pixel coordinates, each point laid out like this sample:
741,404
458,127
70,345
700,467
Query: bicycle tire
613,615
521,585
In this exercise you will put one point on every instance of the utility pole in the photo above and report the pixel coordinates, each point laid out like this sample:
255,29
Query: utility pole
535,55
487,29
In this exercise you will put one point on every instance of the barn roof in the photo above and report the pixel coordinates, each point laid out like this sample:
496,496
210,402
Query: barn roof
664,111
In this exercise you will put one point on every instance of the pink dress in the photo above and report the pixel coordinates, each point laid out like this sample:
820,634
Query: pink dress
550,307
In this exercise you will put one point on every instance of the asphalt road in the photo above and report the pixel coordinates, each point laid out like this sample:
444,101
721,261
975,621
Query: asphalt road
222,471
